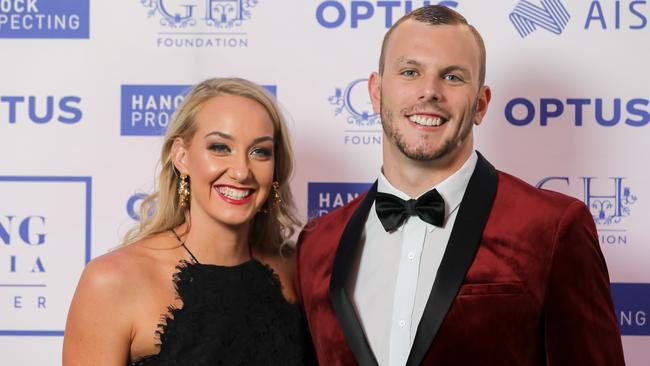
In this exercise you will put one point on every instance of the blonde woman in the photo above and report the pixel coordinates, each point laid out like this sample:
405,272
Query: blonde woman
206,278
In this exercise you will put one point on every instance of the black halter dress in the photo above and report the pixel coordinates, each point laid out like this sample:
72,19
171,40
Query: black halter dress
231,316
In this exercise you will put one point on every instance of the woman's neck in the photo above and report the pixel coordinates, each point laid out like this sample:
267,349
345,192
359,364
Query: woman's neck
216,243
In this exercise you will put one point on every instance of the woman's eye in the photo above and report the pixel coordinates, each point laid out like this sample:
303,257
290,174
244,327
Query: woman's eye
219,148
262,152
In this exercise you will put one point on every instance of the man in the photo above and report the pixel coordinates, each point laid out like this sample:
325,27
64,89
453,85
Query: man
482,270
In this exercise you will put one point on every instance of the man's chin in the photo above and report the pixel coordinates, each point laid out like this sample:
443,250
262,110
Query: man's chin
428,153
424,154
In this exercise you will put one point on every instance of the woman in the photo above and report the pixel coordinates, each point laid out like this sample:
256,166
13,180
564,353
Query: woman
206,278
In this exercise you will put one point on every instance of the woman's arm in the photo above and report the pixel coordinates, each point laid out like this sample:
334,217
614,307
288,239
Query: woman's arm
98,329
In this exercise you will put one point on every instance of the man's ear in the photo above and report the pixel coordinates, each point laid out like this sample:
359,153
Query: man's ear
482,102
179,155
374,90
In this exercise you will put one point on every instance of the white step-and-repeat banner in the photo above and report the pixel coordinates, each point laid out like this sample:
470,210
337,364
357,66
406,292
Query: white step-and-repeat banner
87,88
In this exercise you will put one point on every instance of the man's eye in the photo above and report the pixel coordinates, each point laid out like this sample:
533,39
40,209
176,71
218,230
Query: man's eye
409,73
452,77
219,148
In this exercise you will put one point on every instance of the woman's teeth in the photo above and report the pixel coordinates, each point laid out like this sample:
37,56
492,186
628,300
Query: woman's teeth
234,193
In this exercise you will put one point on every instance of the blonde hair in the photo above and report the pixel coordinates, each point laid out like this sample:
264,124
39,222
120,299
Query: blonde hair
160,211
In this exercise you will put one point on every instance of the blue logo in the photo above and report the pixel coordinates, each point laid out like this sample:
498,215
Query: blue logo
599,15
147,109
133,205
551,16
181,17
213,13
606,208
607,113
632,307
608,201
334,13
353,102
44,19
40,110
324,197
609,208
40,218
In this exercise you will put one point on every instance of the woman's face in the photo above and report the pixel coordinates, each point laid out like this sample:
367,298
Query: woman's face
229,160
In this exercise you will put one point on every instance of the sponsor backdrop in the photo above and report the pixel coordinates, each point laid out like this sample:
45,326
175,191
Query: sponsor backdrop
87,89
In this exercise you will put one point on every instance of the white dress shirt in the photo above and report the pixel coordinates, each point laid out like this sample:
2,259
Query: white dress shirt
396,270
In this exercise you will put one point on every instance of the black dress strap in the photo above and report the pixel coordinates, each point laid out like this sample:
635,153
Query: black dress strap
184,246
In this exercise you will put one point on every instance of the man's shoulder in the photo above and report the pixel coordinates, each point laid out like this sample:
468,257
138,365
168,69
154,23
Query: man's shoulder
527,195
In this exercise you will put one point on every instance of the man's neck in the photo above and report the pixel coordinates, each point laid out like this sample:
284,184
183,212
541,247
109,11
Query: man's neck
415,177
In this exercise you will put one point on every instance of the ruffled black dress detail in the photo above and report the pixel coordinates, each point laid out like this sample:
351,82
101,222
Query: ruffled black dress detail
231,316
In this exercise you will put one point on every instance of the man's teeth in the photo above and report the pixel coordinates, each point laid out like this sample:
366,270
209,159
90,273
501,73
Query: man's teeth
234,193
426,121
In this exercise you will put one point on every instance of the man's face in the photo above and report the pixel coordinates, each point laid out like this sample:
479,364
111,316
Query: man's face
429,94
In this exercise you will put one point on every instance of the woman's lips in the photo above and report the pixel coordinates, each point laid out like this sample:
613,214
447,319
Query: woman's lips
234,195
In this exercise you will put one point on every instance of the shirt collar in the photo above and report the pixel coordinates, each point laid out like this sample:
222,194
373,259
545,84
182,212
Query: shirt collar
452,189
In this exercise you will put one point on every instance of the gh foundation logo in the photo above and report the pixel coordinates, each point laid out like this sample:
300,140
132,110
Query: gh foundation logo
551,16
353,103
608,200
607,207
214,13
610,208
219,22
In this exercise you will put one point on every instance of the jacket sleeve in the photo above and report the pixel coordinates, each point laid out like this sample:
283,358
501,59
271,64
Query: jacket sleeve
297,281
579,320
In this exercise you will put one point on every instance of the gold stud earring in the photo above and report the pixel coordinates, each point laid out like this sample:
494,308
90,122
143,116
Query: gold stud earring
183,191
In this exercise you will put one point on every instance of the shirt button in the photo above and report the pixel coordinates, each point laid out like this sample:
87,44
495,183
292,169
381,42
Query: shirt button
411,255
402,323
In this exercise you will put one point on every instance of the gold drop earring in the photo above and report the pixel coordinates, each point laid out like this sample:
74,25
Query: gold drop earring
183,191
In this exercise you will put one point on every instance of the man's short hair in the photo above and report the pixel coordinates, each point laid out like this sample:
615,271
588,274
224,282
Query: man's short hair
437,15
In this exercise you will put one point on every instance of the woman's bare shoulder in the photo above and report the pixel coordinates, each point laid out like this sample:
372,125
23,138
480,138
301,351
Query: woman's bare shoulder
109,301
125,268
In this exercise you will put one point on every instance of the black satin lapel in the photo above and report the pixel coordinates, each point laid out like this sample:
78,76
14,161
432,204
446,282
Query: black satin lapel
343,263
461,249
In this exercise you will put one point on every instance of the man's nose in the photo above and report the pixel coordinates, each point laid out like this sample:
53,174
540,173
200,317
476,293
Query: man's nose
430,89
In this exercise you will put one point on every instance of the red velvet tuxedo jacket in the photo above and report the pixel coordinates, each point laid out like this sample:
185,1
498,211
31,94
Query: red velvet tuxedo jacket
522,282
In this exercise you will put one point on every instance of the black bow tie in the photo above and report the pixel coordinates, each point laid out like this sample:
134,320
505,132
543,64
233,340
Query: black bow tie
392,211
